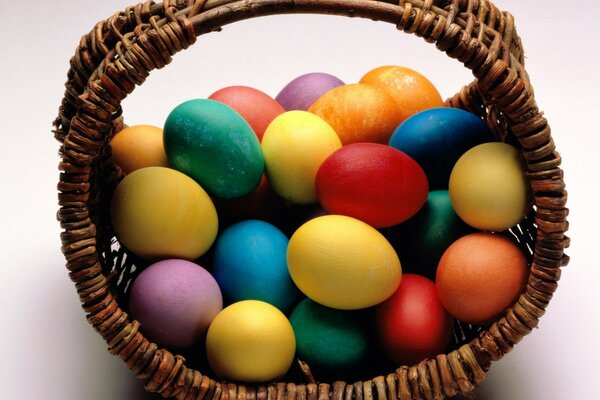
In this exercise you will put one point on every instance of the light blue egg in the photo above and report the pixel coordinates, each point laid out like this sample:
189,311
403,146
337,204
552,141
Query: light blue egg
250,264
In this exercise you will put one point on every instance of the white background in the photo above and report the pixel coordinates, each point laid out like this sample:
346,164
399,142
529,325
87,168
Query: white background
48,351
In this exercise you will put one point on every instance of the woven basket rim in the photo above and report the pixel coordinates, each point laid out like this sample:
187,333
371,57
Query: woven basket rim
120,52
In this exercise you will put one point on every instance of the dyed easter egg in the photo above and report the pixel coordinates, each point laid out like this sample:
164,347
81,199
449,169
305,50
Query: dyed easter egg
255,106
421,241
480,276
294,146
412,324
175,302
250,341
436,138
488,187
139,146
160,213
358,112
327,339
411,91
250,264
372,182
341,262
304,90
213,144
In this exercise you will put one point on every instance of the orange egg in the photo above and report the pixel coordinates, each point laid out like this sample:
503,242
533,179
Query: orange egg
480,276
358,112
412,91
139,146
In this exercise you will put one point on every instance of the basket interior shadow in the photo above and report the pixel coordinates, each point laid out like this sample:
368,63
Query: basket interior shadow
119,53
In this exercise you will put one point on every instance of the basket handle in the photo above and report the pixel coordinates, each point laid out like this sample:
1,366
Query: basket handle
120,53
102,39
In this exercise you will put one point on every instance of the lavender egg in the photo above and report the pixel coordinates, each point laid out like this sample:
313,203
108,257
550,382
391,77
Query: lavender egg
301,92
175,301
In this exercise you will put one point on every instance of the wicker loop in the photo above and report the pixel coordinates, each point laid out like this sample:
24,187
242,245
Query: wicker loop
118,55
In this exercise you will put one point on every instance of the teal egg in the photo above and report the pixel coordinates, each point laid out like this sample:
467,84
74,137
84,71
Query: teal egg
421,241
210,142
330,340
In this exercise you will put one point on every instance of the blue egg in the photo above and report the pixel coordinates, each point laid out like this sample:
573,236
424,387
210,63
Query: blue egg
250,264
436,138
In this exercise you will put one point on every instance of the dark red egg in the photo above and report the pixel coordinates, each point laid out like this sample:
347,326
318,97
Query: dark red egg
412,323
375,183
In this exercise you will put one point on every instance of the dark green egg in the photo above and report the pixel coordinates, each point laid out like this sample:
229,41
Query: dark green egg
210,142
330,340
421,241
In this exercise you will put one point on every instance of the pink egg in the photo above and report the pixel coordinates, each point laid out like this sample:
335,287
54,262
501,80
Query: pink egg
175,302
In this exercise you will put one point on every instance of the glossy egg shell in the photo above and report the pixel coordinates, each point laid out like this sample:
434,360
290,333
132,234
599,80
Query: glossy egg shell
294,146
372,182
358,112
139,146
175,302
411,91
250,264
330,340
213,144
437,138
160,213
250,341
412,324
304,90
488,187
341,262
480,276
255,106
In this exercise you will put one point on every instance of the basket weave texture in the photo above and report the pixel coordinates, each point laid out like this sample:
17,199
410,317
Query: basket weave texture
119,53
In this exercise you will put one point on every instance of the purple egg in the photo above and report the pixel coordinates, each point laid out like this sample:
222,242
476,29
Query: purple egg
175,301
301,92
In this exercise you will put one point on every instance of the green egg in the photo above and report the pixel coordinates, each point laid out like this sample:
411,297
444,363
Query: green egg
421,241
330,340
215,146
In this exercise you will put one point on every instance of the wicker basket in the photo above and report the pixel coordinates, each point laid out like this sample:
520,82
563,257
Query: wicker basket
118,54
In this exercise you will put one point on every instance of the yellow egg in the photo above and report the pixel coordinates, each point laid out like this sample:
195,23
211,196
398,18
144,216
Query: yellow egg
488,187
250,341
295,145
139,146
341,262
160,213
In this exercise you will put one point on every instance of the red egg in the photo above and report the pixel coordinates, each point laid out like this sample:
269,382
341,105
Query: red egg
412,323
375,183
255,106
